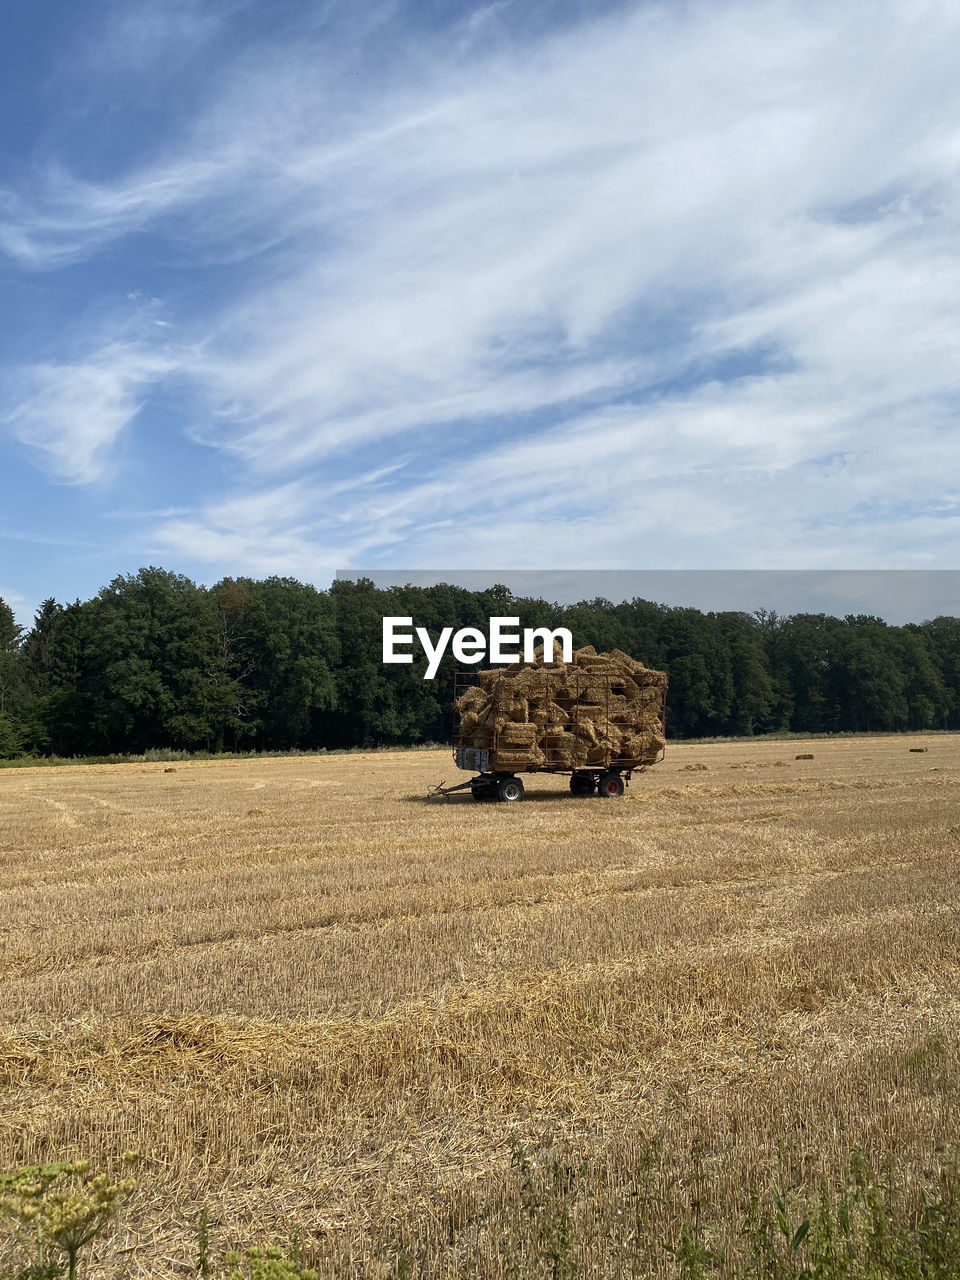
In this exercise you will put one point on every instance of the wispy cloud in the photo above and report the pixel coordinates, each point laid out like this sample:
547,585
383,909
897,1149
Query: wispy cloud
646,271
73,413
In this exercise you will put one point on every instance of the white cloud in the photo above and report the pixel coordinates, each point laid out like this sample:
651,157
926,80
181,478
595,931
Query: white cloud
700,259
74,413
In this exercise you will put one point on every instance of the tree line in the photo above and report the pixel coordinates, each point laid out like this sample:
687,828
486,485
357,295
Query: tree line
154,660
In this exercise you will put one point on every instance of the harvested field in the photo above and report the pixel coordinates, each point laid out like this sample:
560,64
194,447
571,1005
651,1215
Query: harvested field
315,1000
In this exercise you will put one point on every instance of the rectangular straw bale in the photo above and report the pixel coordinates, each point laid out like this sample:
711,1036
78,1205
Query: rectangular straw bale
487,722
550,713
521,758
624,724
601,666
517,710
593,694
552,659
632,691
519,735
648,679
642,746
584,730
476,716
600,706
624,661
581,720
472,698
531,683
608,736
567,743
566,755
619,707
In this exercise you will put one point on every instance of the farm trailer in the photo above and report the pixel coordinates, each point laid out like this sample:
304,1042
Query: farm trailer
598,719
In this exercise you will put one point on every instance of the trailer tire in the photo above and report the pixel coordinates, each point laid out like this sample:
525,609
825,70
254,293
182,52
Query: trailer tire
582,784
510,789
610,785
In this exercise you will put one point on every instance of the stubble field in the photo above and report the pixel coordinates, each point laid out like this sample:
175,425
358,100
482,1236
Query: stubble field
320,1004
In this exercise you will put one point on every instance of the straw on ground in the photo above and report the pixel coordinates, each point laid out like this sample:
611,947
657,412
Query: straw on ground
316,1002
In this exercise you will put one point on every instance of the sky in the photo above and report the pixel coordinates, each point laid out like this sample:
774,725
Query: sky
895,595
293,287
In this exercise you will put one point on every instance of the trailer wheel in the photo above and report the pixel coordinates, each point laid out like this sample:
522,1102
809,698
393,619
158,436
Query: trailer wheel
510,789
610,785
582,784
483,789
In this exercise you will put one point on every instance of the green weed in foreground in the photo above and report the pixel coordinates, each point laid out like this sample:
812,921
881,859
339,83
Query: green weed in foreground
267,1264
555,1221
859,1230
60,1208
855,1232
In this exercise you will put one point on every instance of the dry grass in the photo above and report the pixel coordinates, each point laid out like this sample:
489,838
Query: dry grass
313,998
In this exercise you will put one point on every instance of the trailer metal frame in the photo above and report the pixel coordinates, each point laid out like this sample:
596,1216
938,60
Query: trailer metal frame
584,779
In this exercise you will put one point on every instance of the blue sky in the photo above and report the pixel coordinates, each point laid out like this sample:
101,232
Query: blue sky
293,287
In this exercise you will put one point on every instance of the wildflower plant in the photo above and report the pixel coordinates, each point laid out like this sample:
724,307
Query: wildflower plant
272,1263
59,1208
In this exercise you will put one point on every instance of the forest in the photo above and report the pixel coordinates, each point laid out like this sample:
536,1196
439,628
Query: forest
155,660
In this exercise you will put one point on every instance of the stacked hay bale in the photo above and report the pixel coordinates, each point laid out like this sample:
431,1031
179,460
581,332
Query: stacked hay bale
601,708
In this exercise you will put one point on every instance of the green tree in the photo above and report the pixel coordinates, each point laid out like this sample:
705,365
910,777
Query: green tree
773,636
697,661
14,731
928,701
281,636
151,674
942,641
753,692
155,660
868,678
595,622
806,656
